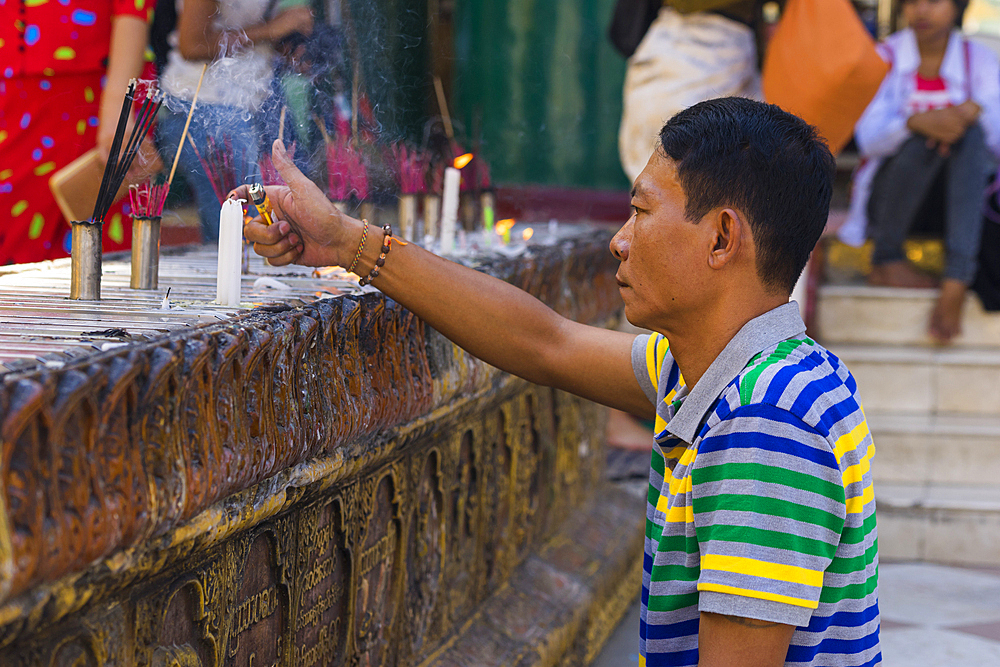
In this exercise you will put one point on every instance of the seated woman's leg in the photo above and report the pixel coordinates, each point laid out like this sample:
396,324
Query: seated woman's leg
966,176
898,191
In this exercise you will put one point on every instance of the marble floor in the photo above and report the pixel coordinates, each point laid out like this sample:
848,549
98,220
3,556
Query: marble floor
932,616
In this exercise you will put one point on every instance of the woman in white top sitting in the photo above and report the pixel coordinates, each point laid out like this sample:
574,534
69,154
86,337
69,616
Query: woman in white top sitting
236,37
935,120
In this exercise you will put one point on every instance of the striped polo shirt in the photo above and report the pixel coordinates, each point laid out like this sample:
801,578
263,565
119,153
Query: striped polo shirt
760,498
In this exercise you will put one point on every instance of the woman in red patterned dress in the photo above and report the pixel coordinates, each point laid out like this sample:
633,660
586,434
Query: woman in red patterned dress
56,59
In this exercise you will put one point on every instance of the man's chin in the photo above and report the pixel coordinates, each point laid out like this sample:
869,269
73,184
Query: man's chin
634,317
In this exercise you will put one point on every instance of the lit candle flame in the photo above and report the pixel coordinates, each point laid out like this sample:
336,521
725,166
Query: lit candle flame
503,226
527,233
462,160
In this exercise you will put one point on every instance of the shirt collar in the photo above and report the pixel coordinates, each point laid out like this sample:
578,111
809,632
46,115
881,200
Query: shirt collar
758,334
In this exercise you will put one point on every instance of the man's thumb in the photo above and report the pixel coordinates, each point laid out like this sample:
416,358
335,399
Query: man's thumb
284,164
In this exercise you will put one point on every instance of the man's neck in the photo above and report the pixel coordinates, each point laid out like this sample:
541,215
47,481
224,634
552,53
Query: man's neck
696,344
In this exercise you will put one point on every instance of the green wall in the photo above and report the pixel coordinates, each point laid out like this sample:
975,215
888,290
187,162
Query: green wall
391,37
543,83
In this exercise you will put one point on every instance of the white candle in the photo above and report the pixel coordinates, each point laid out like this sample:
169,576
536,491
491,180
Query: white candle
449,212
230,249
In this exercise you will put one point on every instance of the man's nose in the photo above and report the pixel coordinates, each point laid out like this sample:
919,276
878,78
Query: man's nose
621,241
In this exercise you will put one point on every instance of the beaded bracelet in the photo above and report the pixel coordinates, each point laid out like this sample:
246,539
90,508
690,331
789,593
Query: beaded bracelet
361,248
380,262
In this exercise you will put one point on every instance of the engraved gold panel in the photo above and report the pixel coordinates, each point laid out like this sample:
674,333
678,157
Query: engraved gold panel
376,570
323,586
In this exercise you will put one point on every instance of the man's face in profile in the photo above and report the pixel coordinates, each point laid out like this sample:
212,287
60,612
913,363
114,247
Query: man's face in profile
664,273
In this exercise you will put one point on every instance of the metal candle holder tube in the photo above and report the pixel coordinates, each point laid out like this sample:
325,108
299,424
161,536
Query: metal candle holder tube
145,252
468,212
85,279
407,216
432,216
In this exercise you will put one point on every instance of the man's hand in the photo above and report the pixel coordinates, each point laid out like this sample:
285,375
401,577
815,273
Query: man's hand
733,641
309,229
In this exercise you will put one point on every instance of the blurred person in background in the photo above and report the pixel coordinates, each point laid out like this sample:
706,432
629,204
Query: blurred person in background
931,133
238,38
708,51
64,68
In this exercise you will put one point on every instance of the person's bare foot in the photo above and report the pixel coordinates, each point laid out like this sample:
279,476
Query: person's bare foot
946,318
626,432
899,274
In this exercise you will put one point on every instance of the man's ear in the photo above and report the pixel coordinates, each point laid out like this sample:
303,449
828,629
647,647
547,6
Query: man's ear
729,234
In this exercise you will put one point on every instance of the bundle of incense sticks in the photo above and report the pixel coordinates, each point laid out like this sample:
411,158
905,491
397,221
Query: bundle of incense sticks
147,199
220,165
346,173
120,157
410,169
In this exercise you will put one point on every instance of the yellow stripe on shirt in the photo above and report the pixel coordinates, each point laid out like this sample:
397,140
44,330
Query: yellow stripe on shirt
755,568
652,360
760,595
850,441
856,505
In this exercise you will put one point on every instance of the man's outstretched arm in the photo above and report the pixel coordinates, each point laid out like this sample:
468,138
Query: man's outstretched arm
489,318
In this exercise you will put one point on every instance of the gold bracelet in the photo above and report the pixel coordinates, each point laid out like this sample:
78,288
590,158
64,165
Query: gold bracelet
361,248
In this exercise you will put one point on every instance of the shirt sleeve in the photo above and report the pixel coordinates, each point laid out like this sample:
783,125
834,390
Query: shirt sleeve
769,508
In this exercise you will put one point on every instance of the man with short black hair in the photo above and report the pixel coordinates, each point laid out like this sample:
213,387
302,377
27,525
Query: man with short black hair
760,525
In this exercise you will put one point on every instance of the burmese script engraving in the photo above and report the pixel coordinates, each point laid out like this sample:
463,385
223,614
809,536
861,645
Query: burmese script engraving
320,636
375,608
379,553
258,607
325,651
258,619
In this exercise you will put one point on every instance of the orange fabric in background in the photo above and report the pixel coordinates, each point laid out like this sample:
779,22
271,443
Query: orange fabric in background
821,64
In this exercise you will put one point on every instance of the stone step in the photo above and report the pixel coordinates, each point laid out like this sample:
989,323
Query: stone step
895,316
939,523
917,380
959,450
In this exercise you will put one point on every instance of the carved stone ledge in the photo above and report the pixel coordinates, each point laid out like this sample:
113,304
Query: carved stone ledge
375,556
325,482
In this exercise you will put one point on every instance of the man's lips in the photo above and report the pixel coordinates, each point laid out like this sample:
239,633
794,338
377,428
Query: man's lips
621,283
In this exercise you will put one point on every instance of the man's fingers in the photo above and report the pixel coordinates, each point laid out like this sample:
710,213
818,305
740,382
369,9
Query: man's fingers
275,250
257,232
289,256
242,192
285,166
